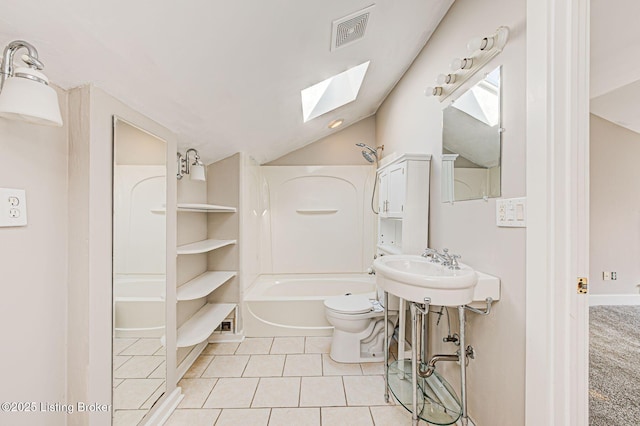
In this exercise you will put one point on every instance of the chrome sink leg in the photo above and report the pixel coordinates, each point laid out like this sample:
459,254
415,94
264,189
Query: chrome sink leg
414,364
463,366
386,347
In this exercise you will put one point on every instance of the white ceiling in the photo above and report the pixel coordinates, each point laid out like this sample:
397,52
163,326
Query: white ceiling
615,62
224,75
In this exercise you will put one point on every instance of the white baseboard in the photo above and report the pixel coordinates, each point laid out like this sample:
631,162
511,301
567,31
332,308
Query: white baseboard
226,338
165,409
190,359
614,299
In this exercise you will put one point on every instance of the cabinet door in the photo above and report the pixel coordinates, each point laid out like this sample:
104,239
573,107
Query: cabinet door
383,188
396,190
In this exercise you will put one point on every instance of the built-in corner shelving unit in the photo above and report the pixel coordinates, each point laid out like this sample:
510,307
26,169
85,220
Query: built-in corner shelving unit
207,319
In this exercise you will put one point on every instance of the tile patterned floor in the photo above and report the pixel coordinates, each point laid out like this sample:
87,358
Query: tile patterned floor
277,381
138,378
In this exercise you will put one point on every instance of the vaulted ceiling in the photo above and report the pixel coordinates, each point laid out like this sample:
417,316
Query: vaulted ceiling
615,63
224,75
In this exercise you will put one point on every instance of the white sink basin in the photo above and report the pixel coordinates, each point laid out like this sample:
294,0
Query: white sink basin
414,278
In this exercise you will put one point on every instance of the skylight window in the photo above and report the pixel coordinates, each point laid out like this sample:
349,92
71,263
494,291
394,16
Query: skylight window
333,92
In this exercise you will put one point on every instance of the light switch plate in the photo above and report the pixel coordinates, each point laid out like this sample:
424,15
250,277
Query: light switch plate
511,212
13,207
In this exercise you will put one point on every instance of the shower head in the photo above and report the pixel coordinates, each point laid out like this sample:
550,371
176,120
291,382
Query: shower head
369,154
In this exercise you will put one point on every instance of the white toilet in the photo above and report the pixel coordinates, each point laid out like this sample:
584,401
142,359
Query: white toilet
358,322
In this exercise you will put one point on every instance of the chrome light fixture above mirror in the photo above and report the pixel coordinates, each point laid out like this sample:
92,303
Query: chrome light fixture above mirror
25,93
482,50
194,168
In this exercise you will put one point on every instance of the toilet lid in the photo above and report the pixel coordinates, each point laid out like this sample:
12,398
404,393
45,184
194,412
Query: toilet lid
349,304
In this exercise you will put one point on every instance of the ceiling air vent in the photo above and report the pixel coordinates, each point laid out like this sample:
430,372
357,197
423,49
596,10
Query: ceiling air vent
350,28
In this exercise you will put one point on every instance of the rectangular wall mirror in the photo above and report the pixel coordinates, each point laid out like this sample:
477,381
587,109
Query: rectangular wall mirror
471,135
139,271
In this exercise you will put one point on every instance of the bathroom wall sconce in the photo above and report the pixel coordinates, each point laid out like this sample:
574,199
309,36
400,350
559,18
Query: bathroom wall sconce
481,50
192,167
25,93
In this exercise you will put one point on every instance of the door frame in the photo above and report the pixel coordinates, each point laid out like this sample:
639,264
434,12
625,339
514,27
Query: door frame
557,247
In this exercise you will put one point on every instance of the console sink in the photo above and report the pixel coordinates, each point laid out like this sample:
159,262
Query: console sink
413,278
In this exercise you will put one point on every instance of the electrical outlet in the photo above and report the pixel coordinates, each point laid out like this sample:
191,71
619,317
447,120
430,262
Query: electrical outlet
614,276
225,326
13,207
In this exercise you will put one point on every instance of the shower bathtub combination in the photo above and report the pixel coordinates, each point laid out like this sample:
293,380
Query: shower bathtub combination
293,304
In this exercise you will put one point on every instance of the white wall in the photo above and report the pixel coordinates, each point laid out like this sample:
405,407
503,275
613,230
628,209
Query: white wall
336,149
409,122
33,301
615,208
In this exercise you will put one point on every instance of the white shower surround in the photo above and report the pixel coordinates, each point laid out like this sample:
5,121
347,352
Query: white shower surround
318,237
318,219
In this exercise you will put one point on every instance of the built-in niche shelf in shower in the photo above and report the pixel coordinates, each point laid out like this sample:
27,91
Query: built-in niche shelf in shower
203,323
198,208
204,246
205,208
204,284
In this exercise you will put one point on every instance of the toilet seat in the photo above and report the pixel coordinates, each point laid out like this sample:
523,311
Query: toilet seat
349,304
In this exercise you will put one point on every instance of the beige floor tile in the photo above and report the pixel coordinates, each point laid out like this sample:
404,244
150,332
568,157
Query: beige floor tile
264,366
332,368
246,417
193,417
116,382
288,345
128,417
198,367
295,416
120,344
226,366
160,372
255,346
195,391
317,345
391,415
154,397
322,392
277,392
364,390
138,367
143,347
372,368
232,393
118,360
346,416
132,393
303,365
221,349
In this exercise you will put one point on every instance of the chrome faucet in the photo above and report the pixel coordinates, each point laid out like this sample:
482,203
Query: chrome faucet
444,258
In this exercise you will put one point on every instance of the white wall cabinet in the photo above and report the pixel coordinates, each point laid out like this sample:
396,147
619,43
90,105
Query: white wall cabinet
403,203
392,190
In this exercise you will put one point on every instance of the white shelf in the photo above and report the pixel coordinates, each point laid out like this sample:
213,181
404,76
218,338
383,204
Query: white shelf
205,208
204,284
200,326
204,246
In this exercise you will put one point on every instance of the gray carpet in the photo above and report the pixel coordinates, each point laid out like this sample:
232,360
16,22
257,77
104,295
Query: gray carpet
614,365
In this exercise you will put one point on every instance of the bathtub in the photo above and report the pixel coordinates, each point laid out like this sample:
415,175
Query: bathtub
139,306
293,305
